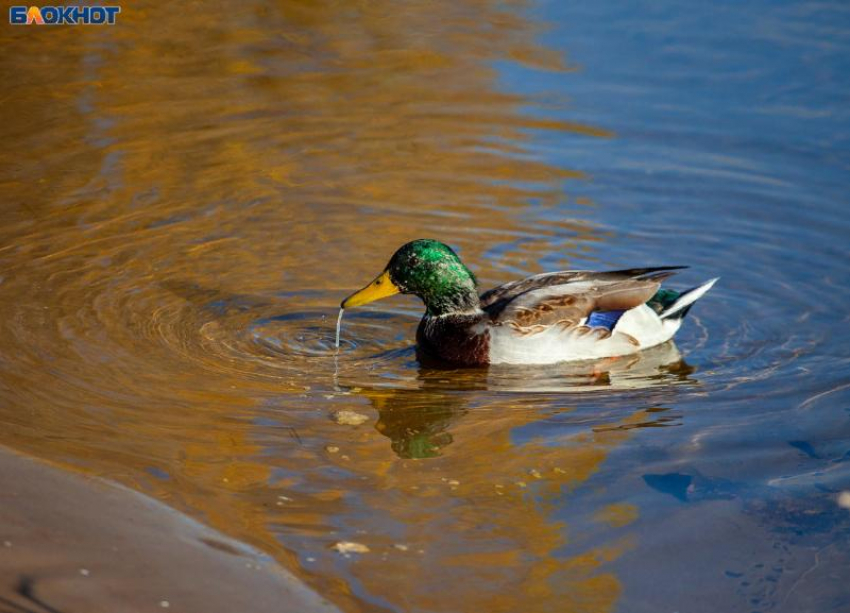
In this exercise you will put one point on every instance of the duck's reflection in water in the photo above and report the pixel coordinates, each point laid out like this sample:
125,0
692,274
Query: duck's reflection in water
485,461
418,422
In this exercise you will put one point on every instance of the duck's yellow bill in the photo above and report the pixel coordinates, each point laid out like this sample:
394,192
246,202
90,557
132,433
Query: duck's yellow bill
377,289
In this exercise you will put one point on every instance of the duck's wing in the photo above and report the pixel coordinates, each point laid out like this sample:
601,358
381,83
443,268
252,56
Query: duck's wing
566,298
509,291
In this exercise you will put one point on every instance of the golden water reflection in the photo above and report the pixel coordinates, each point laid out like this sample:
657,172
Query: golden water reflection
184,202
475,511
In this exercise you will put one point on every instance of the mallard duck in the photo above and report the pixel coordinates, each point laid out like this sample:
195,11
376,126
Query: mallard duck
543,319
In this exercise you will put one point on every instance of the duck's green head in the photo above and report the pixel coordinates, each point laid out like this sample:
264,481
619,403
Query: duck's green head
429,269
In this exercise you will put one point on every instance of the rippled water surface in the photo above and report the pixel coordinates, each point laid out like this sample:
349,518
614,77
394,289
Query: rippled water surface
186,200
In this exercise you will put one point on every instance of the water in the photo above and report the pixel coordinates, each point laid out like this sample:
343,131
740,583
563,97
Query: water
338,327
186,201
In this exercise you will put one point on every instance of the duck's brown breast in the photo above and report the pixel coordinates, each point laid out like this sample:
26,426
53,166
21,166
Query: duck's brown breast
459,339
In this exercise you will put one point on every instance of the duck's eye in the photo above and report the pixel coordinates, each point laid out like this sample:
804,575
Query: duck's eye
414,260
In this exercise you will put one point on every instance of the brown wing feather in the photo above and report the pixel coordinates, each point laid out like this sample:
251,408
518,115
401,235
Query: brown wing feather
566,311
511,290
564,299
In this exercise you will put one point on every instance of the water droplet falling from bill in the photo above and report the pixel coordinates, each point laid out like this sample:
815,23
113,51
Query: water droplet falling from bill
338,326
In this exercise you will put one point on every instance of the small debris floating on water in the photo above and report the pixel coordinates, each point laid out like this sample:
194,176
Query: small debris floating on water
350,547
349,418
338,326
844,499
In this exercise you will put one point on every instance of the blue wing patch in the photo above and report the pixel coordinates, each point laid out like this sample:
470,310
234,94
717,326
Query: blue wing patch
603,319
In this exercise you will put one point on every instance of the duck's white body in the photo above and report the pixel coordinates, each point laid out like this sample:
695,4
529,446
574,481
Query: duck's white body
638,328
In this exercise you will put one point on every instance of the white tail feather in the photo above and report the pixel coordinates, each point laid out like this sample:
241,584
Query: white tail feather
688,298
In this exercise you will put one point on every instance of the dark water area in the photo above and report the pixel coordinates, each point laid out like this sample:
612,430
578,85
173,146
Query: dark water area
186,201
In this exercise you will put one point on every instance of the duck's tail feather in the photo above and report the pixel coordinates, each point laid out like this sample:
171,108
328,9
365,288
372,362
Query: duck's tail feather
681,304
